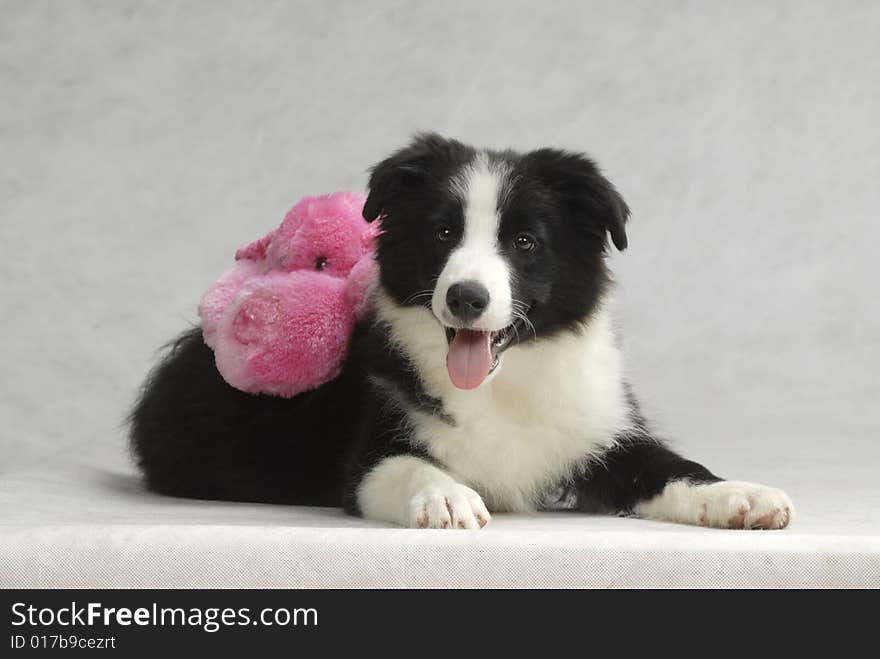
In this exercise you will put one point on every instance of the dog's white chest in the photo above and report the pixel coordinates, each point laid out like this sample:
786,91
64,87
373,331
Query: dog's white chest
550,406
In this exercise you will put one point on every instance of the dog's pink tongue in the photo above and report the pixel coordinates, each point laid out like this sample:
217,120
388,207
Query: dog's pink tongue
469,358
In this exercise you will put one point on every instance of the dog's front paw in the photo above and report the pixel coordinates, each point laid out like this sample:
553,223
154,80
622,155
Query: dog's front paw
741,505
724,505
448,506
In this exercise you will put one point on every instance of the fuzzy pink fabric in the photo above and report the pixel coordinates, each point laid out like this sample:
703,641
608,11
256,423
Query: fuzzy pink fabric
280,320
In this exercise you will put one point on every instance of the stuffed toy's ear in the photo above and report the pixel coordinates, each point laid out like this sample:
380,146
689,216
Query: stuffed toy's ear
427,157
368,239
588,194
256,251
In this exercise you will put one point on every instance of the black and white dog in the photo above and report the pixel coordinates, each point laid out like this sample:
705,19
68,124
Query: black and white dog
487,377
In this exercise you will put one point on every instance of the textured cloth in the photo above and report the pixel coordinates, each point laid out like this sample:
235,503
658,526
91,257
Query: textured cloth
69,526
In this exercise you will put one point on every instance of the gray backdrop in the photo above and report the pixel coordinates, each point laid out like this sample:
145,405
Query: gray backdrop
142,143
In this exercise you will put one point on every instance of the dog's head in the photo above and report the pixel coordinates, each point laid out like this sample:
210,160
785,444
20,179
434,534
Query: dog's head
502,247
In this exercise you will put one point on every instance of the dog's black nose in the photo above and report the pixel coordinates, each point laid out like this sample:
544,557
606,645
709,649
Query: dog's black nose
467,300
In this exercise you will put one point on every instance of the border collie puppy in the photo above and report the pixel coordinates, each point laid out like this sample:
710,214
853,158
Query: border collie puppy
487,376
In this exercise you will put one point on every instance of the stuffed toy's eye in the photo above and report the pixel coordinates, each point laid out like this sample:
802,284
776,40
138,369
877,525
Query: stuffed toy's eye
443,233
321,263
525,242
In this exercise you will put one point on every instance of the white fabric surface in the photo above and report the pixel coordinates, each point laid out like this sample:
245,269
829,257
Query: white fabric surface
142,142
75,524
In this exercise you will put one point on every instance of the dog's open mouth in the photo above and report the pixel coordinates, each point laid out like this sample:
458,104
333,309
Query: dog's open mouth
474,354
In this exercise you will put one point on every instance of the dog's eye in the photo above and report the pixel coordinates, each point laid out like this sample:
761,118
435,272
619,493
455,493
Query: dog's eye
443,233
321,263
525,242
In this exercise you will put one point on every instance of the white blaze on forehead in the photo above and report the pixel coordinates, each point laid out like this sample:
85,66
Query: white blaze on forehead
479,187
477,258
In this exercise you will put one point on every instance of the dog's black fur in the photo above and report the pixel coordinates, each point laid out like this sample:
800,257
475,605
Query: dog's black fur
195,436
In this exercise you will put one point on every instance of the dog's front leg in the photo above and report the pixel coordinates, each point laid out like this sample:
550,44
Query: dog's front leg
640,476
410,491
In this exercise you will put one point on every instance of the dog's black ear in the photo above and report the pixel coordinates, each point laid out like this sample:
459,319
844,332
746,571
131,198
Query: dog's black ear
616,214
426,157
584,189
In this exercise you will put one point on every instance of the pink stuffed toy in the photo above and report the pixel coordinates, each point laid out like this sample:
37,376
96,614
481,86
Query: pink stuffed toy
280,320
